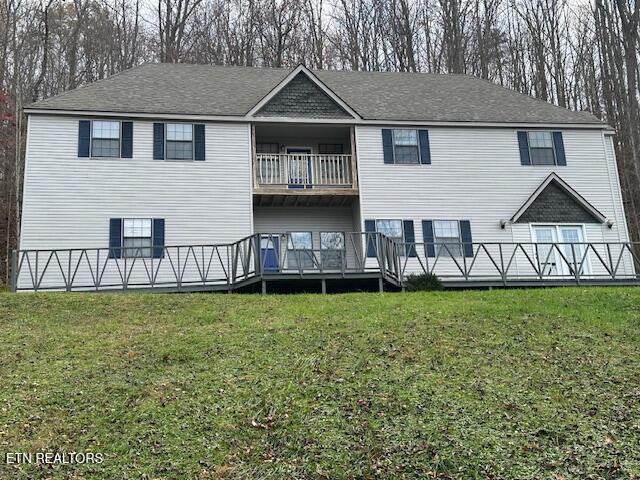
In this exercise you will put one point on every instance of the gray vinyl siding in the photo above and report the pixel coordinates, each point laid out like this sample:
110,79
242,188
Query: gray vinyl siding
68,200
308,219
476,175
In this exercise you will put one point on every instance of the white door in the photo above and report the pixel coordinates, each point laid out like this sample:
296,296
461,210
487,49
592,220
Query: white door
573,236
546,253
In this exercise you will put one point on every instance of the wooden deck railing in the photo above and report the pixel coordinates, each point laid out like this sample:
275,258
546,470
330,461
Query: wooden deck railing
263,256
303,170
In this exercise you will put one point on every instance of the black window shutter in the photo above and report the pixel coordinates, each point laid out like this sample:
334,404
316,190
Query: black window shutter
158,237
126,142
409,238
387,145
84,137
523,143
465,235
115,237
558,144
427,236
370,227
425,150
198,141
158,141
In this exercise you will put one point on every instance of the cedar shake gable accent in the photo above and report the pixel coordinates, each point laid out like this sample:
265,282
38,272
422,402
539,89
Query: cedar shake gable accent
554,201
302,98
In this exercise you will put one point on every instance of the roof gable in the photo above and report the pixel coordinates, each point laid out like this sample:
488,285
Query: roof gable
554,201
302,95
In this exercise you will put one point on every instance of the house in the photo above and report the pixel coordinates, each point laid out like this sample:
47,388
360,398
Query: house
206,177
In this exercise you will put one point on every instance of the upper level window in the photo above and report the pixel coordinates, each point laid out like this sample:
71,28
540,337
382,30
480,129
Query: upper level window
541,148
105,139
179,141
330,149
268,148
405,146
447,232
136,237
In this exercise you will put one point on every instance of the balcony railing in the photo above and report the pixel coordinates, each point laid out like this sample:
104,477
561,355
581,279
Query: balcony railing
295,170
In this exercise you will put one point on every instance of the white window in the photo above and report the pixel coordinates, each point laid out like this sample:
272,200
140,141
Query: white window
566,239
300,250
105,138
136,237
447,232
391,229
179,141
405,146
332,249
541,148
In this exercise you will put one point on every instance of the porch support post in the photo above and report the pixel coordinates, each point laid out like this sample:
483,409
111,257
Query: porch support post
254,159
324,286
354,162
14,270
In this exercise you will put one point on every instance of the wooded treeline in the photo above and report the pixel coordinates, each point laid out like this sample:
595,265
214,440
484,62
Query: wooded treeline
579,54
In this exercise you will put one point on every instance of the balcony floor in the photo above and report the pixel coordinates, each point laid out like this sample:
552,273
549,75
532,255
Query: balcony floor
313,197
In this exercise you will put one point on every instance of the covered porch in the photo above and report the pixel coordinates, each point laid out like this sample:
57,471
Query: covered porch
297,164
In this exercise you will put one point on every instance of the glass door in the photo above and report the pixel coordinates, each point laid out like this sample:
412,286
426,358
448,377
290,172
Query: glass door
547,255
270,253
299,167
573,237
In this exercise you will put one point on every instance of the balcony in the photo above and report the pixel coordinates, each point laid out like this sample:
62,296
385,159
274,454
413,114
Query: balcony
303,171
306,165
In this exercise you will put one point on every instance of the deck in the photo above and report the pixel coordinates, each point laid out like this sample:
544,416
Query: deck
262,259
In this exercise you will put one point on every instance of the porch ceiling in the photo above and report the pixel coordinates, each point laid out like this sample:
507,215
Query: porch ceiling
308,198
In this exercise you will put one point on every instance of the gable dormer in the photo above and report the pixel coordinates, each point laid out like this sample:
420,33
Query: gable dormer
554,201
302,95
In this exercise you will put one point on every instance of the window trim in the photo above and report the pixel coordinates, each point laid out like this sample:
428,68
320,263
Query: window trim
435,238
553,149
393,144
166,140
122,237
119,122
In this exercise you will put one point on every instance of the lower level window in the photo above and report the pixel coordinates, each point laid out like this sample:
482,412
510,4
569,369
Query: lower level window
390,228
332,249
446,235
300,250
136,237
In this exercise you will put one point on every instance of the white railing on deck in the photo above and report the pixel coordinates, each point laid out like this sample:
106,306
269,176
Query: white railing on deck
303,170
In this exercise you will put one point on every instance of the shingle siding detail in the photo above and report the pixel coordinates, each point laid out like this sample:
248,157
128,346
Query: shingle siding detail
555,205
301,98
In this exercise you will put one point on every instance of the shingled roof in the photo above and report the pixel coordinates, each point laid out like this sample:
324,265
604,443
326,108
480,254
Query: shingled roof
233,91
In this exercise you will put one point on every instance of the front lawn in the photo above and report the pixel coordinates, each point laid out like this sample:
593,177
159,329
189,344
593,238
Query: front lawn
512,384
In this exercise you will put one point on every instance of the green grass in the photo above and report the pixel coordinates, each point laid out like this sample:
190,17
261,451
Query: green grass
500,385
